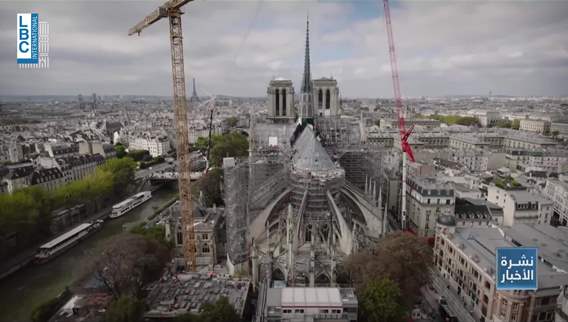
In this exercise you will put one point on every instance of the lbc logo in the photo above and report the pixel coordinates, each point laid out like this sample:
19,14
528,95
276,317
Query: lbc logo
27,46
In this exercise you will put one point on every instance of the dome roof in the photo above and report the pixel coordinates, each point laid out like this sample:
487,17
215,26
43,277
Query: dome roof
447,220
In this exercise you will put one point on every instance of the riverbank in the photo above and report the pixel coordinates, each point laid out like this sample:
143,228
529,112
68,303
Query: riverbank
34,284
24,258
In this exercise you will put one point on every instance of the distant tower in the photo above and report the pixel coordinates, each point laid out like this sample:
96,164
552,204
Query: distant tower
94,103
306,96
81,102
194,97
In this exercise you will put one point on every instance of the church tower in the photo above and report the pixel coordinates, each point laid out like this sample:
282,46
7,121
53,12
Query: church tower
306,94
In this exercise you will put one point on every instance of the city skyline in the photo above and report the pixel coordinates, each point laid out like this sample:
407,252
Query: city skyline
444,49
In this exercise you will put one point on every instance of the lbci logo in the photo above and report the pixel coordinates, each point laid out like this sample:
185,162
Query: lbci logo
33,41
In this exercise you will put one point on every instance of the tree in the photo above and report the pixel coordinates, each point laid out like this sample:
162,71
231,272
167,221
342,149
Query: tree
27,212
122,171
503,123
516,124
232,121
221,311
402,257
47,309
127,262
381,301
468,121
228,145
155,232
139,155
201,144
120,150
125,309
210,184
188,317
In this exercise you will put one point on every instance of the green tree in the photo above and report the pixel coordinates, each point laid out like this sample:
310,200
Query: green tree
210,185
155,232
201,144
402,257
221,311
456,119
139,155
503,123
125,309
232,121
228,145
47,309
468,120
516,124
122,171
381,301
27,212
120,150
188,317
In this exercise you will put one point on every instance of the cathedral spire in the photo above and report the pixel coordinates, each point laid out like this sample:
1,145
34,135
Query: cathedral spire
307,78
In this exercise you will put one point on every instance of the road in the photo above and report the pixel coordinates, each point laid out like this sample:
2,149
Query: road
145,173
453,299
33,285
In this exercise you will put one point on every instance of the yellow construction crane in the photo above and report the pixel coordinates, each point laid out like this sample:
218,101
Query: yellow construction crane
171,10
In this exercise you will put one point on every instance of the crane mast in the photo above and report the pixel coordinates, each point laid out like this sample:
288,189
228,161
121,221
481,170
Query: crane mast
401,112
171,10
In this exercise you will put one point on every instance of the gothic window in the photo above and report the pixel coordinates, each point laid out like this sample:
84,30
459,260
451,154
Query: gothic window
320,98
308,233
277,105
284,102
179,237
327,99
205,249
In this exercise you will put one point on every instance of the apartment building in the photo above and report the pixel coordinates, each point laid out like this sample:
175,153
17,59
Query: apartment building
465,258
427,198
79,166
94,147
156,146
550,160
49,179
520,205
505,139
538,126
18,177
557,192
479,160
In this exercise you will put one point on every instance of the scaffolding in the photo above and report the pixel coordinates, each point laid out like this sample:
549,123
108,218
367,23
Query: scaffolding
235,180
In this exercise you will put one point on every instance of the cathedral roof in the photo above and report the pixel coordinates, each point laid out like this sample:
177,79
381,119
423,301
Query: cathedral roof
310,154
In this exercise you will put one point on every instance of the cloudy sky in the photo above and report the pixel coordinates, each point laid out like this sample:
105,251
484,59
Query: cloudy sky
236,47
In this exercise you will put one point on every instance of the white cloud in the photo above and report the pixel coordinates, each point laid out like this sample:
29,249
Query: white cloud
444,47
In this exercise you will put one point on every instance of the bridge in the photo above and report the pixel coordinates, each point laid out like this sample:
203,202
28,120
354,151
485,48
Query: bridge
169,176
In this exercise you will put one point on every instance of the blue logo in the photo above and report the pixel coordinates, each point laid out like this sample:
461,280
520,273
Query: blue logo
32,46
516,268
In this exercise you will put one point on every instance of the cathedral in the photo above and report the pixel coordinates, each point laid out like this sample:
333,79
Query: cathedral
318,97
297,207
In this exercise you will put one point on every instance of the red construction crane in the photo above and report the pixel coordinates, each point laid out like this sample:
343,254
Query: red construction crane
404,133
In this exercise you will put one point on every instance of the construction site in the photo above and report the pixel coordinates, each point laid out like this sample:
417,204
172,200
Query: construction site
306,197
